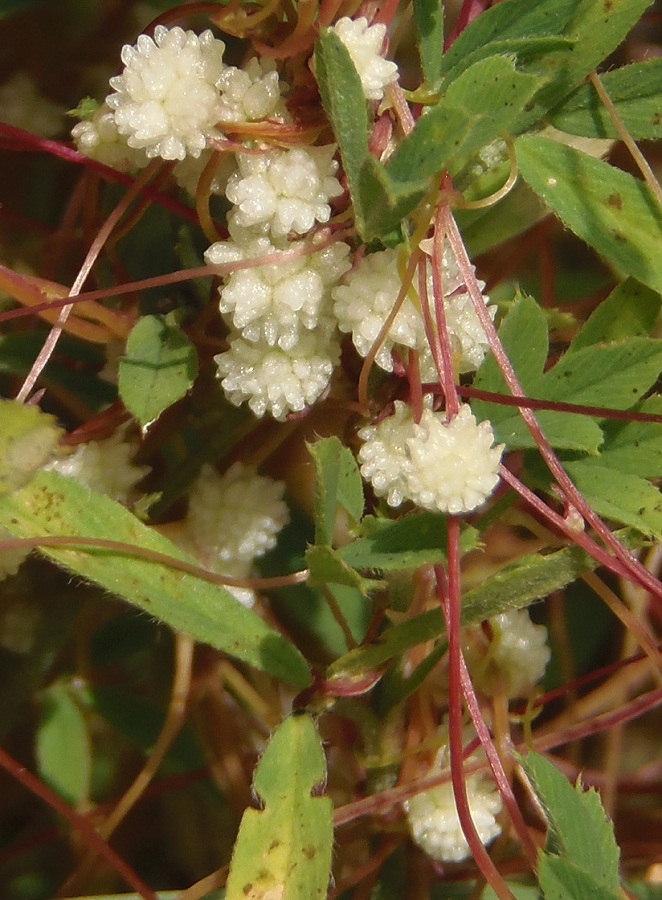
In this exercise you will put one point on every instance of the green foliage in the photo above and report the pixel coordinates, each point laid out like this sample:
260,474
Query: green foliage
337,483
284,848
429,18
609,209
581,857
63,747
635,92
158,369
53,505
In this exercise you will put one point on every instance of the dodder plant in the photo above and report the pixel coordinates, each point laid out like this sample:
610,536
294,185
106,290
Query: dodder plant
282,415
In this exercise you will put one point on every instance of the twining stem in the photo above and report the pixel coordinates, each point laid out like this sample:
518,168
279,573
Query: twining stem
175,717
637,572
78,822
451,606
92,254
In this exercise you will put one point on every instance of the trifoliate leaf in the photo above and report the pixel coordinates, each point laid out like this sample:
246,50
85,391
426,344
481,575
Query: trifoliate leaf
480,106
528,357
283,850
611,210
28,438
597,28
635,91
158,369
63,750
56,506
579,830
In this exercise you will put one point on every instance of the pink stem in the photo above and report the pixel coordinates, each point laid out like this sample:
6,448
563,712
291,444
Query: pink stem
637,572
451,609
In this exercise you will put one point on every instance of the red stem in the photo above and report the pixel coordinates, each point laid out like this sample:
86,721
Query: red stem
451,609
636,571
80,823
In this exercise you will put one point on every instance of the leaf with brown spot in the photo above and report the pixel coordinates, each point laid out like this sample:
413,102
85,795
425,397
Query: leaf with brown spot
283,851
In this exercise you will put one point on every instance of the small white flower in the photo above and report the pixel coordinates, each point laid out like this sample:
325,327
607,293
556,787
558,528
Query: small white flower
516,657
363,303
277,303
384,456
10,560
442,467
23,106
364,43
167,101
435,824
232,520
99,139
275,380
284,190
103,466
454,467
236,516
250,93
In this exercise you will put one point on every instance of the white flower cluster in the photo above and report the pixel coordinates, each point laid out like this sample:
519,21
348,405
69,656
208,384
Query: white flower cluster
283,339
434,822
446,466
362,305
515,658
284,190
174,93
232,520
364,43
104,466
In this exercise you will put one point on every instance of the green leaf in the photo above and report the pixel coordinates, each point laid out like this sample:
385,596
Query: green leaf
561,880
53,505
337,481
635,91
608,208
631,310
429,19
618,496
579,829
611,375
63,750
635,447
479,106
28,438
380,203
509,20
528,358
404,543
283,850
328,567
597,27
513,587
158,369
